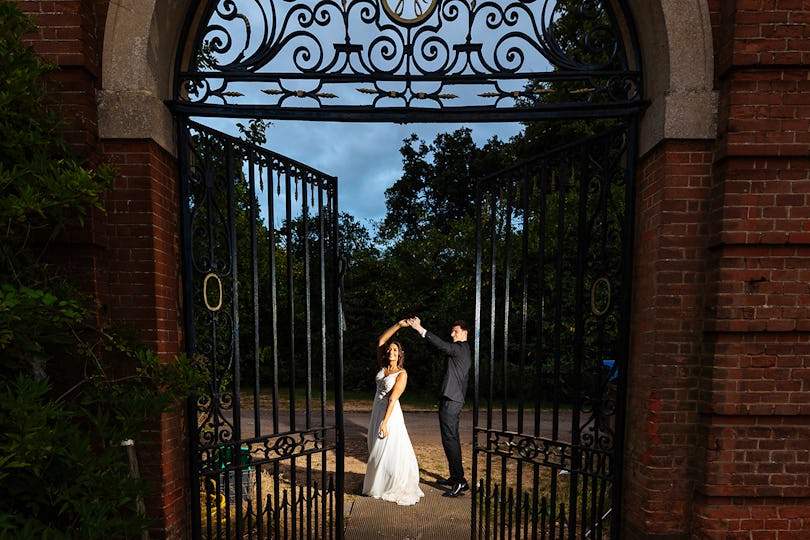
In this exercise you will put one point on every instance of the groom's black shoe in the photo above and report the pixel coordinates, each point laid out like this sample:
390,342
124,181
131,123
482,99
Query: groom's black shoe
458,489
446,482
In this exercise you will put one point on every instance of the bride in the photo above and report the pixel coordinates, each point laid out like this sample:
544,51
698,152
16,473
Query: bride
392,473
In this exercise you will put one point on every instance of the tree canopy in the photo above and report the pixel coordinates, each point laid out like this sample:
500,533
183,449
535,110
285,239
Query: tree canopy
437,186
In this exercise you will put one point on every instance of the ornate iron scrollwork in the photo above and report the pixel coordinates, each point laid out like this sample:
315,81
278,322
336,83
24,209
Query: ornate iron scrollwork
221,172
417,58
553,454
263,450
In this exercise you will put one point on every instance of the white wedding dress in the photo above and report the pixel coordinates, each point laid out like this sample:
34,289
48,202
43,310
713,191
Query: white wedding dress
392,473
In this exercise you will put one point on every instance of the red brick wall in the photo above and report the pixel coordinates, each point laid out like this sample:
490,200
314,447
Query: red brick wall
143,229
662,458
719,408
143,265
70,37
755,399
129,256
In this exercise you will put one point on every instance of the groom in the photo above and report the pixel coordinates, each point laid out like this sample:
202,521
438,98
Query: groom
451,397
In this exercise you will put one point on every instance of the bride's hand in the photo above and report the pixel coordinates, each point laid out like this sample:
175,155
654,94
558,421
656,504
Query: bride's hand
383,431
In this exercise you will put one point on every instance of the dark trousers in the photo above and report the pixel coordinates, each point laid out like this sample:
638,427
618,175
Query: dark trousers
449,416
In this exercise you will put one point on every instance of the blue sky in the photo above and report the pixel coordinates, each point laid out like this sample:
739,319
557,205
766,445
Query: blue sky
364,156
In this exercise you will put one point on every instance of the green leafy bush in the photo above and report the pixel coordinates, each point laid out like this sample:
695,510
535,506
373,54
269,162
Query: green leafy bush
71,389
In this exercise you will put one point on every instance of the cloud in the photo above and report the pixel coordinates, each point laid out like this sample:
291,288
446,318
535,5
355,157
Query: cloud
364,156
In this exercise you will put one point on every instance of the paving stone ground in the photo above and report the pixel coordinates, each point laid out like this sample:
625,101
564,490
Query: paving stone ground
442,518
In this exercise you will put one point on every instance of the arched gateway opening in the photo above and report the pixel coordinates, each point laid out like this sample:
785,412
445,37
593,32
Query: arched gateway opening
552,251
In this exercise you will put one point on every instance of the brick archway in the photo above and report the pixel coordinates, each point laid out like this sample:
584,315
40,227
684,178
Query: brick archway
141,41
718,303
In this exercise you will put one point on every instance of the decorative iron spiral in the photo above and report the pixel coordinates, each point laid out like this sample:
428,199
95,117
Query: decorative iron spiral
339,44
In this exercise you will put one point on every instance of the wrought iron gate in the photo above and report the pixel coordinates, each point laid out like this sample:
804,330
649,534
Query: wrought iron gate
554,239
552,293
262,318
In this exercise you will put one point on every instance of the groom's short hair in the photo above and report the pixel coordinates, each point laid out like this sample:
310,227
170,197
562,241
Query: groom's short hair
461,323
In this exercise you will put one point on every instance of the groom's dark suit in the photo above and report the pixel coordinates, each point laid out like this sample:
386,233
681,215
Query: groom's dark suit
451,399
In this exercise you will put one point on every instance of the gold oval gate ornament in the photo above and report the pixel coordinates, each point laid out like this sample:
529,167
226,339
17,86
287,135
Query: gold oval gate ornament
205,292
605,296
409,12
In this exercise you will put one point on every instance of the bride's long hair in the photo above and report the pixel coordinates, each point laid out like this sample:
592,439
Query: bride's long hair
383,358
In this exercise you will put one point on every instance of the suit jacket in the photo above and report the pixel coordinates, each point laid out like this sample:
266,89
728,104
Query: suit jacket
457,362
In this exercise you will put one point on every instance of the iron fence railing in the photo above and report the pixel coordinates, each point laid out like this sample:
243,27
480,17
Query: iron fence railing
550,363
262,318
